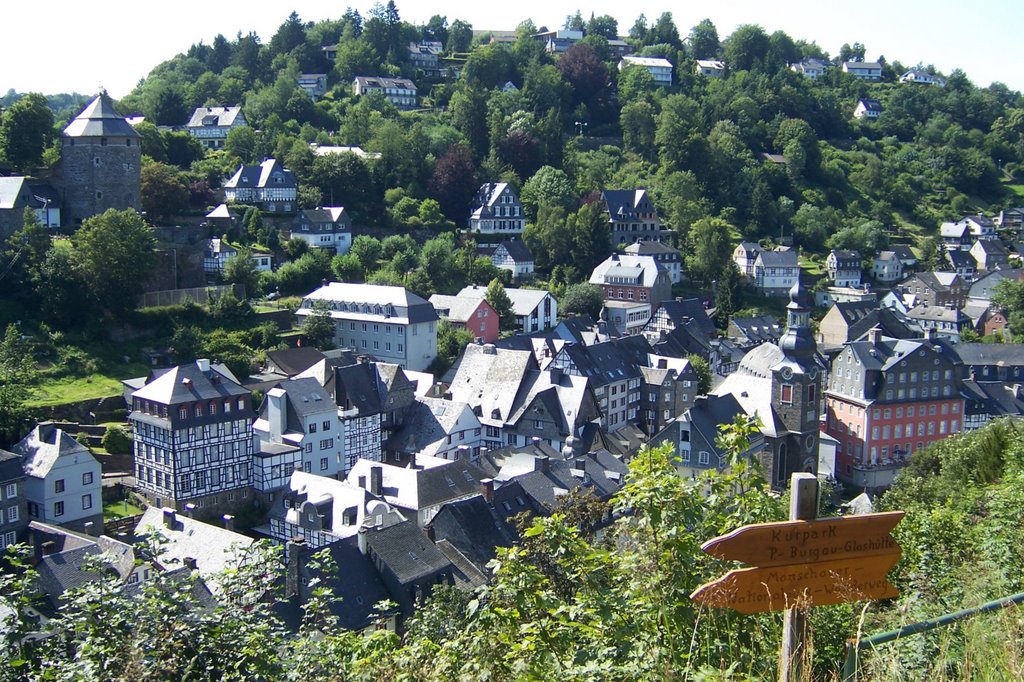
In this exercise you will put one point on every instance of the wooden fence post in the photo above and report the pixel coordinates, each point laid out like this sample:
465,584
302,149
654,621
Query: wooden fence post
803,506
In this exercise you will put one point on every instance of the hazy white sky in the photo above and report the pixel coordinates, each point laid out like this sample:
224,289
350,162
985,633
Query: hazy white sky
62,46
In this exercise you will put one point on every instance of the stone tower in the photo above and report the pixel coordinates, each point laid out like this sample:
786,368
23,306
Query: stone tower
796,393
100,162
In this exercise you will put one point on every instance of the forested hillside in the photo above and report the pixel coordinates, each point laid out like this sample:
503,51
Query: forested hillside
575,124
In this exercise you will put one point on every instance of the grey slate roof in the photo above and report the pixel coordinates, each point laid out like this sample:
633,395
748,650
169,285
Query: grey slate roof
187,383
100,119
517,250
259,174
428,421
10,466
474,528
43,446
214,116
405,549
997,354
458,309
690,312
777,259
961,260
213,547
292,361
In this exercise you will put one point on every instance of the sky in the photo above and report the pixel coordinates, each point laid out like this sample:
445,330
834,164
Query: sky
114,43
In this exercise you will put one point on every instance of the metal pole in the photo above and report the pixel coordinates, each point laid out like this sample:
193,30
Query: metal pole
853,646
803,506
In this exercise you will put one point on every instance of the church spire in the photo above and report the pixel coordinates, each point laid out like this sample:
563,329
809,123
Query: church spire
798,341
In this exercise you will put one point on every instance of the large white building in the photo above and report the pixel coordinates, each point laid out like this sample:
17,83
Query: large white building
390,323
658,67
496,210
211,125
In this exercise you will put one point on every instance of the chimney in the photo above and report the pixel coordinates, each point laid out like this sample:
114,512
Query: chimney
190,510
376,480
293,574
412,462
170,518
931,334
48,547
535,441
277,413
462,453
229,522
487,489
190,563
542,463
362,359
203,365
429,530
489,349
874,335
556,374
361,540
89,528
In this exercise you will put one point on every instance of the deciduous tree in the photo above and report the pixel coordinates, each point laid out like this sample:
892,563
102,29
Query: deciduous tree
115,257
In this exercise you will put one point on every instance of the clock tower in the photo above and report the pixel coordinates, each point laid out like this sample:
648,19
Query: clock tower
796,394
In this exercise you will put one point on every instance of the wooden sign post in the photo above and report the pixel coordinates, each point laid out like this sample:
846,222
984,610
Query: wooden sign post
803,562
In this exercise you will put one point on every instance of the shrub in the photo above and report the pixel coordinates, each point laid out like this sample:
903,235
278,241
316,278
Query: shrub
116,441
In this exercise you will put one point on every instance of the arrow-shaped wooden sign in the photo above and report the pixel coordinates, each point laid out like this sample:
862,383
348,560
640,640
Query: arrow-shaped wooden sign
796,542
774,588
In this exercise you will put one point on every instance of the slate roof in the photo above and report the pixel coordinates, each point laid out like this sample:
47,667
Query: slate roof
428,421
846,259
381,82
992,247
961,260
984,286
709,412
777,259
10,191
324,214
638,270
937,313
332,499
187,383
214,116
417,309
904,252
292,361
996,354
44,445
474,528
871,104
405,549
259,175
648,247
214,548
517,250
455,308
361,386
544,484
758,329
607,362
994,398
622,204
433,482
681,342
10,466
354,588
524,301
754,393
490,378
100,119
689,312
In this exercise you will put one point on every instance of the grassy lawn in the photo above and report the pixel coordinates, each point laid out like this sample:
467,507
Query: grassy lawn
1017,190
117,510
74,389
811,267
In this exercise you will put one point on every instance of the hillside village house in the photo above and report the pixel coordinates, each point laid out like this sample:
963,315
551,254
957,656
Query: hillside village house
391,323
935,288
218,252
810,68
63,481
399,91
710,68
887,267
313,84
211,125
534,309
776,272
843,268
744,256
496,210
513,255
868,108
475,315
990,254
192,428
658,67
632,216
328,227
625,277
269,186
18,193
557,42
868,71
923,78
667,257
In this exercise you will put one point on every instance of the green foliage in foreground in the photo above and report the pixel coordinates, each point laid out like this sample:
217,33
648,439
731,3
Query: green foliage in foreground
566,605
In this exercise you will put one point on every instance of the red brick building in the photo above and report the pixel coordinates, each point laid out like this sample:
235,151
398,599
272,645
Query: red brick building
886,399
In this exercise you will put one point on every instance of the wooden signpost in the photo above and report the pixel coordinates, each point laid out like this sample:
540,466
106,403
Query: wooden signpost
801,563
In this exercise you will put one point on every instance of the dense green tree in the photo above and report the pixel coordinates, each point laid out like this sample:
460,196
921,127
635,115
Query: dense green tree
241,271
746,48
703,41
582,299
347,268
318,327
727,294
115,257
498,299
547,187
163,191
708,249
703,370
604,25
17,370
368,250
460,35
26,130
453,183
241,143
451,341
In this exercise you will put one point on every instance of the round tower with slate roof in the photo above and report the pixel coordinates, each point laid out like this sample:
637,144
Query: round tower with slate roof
100,162
796,393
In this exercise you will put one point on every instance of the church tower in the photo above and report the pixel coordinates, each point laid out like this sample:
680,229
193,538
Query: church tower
100,162
796,393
